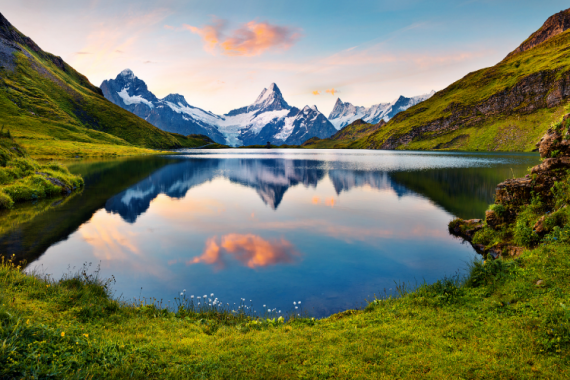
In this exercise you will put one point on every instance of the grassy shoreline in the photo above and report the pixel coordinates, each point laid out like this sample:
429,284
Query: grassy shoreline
497,323
506,318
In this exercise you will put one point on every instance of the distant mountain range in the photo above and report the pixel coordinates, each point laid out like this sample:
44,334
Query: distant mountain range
345,113
268,119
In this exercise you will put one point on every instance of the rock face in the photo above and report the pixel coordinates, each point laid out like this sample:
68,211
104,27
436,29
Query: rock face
268,119
554,148
344,114
514,193
554,26
532,93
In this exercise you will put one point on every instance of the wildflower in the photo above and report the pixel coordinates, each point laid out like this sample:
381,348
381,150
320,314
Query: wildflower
184,290
211,295
192,296
294,303
263,305
269,310
199,297
205,296
181,294
279,311
296,307
299,302
62,334
198,303
86,335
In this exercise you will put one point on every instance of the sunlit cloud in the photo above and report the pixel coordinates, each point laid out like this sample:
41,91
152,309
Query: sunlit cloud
316,92
82,52
249,250
251,39
332,91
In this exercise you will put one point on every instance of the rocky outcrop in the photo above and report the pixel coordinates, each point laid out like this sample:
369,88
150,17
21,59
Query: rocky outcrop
554,26
514,193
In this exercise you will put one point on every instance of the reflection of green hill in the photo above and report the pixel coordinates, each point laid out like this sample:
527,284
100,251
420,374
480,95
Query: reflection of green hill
41,225
463,192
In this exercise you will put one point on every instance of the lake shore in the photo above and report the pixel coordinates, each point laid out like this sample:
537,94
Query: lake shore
509,317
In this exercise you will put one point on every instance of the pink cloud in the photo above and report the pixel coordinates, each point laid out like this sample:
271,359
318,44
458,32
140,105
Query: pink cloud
250,250
251,39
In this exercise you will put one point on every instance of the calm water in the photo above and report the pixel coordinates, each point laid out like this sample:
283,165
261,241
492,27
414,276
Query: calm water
328,228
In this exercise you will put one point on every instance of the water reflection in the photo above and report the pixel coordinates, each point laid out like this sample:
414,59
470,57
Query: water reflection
250,250
270,227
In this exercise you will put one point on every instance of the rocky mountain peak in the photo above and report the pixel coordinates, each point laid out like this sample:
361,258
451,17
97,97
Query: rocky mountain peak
555,25
127,74
176,99
270,99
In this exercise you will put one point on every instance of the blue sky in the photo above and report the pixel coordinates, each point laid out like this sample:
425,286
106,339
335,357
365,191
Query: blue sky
367,51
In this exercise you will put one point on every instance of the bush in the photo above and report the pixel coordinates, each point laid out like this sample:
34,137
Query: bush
486,236
499,209
5,201
489,271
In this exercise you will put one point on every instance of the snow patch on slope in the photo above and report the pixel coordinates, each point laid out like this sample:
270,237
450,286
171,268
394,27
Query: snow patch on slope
128,100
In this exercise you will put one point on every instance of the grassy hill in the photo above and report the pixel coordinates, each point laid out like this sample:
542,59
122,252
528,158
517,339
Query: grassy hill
506,107
345,137
51,109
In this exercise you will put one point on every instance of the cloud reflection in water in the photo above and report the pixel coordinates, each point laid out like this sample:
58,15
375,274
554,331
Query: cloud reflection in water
250,250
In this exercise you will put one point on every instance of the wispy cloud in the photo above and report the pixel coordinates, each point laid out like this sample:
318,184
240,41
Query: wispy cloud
316,92
332,91
251,39
82,52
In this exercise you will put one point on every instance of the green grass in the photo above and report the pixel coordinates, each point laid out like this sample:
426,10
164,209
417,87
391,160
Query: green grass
24,179
515,130
344,138
53,111
504,319
498,324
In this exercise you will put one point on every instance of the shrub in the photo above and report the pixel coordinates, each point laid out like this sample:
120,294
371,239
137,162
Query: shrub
486,236
5,201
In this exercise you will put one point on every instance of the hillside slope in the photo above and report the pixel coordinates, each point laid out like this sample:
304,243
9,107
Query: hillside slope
506,107
51,109
345,137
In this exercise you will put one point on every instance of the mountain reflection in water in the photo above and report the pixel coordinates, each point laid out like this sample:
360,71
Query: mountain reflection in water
330,229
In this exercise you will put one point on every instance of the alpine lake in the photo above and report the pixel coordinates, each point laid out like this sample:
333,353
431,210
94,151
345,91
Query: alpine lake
265,228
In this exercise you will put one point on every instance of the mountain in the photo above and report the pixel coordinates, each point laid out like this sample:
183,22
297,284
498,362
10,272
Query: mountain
345,113
51,109
268,119
507,107
171,114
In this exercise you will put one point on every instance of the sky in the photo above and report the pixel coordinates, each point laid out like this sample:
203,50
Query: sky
220,54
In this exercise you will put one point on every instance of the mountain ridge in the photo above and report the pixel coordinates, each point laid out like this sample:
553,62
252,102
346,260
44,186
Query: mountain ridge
268,119
53,110
344,113
506,107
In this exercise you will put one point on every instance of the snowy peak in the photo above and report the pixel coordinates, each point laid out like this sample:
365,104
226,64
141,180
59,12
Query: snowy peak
176,99
345,113
269,100
127,74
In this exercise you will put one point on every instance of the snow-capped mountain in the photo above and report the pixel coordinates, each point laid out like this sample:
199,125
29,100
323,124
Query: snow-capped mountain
268,119
271,119
171,114
345,113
